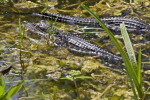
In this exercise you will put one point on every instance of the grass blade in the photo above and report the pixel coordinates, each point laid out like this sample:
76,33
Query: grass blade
43,96
2,82
54,93
139,67
128,45
79,77
1,92
20,30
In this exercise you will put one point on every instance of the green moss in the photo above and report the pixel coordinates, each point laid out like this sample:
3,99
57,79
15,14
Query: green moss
27,5
89,66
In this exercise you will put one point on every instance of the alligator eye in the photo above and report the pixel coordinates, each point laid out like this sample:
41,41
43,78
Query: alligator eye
57,42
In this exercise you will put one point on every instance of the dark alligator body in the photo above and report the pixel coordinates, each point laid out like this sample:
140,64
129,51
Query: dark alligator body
75,43
113,23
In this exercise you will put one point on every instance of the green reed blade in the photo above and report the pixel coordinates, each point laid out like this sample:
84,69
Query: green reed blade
54,93
131,55
20,32
3,82
139,67
43,96
1,92
128,46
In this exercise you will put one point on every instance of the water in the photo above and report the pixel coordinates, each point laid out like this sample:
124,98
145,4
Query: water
43,60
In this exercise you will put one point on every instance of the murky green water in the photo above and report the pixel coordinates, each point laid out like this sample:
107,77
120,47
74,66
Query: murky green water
44,61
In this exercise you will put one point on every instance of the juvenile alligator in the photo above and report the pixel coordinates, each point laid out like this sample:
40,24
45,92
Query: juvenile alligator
113,23
79,45
74,43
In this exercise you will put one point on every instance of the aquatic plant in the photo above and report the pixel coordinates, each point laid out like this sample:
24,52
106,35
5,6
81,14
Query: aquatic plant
73,75
4,1
54,95
132,69
43,96
5,93
20,45
1,48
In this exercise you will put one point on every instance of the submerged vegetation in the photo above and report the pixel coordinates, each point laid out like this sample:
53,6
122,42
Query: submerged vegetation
55,73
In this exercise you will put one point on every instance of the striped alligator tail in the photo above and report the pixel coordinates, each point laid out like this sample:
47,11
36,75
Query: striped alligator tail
113,23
